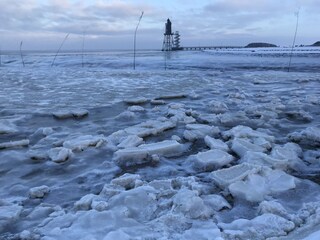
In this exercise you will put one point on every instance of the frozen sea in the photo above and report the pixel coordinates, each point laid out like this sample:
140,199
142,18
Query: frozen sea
216,144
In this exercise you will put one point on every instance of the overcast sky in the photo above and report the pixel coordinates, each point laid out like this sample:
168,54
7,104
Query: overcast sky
110,24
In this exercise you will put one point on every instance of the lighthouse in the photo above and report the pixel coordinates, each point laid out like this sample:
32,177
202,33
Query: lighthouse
168,37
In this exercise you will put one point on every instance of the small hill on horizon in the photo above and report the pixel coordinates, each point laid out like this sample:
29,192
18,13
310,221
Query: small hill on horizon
260,45
316,44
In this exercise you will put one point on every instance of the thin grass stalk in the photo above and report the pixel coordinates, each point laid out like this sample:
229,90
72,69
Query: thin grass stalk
134,43
82,52
65,38
21,54
294,40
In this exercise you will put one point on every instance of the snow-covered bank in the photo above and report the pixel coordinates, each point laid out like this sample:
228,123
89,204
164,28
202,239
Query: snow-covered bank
105,155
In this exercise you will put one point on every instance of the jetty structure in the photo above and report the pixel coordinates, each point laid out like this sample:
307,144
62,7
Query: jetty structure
171,41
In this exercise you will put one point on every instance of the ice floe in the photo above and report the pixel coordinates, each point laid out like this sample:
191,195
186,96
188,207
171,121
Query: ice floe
75,113
142,154
210,160
82,142
58,155
39,192
7,127
15,144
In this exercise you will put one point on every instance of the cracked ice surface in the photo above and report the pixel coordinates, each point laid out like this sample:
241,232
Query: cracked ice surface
99,154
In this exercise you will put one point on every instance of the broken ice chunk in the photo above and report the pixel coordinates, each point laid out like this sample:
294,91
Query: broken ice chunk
127,180
210,160
130,141
39,192
82,142
59,154
216,143
7,127
141,154
246,132
226,176
216,202
135,108
76,113
262,227
191,205
198,131
257,186
15,144
136,101
241,146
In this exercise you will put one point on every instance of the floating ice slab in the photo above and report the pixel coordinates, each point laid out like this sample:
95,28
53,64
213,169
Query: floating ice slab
246,132
82,142
138,155
197,131
127,180
136,101
7,127
172,96
136,109
210,160
76,113
216,202
289,151
310,135
218,107
130,141
85,202
226,176
15,144
256,187
262,227
216,143
157,102
39,192
59,154
263,159
152,127
242,146
191,205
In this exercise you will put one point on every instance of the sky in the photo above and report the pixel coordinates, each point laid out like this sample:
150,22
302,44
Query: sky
110,24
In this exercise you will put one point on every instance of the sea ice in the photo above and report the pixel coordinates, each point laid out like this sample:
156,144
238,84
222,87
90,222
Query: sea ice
257,186
136,101
225,177
264,226
7,127
216,202
130,141
210,160
242,146
127,180
39,192
82,142
263,159
190,204
246,132
198,131
151,127
136,109
310,135
218,107
213,143
15,144
8,214
76,113
172,96
138,155
59,154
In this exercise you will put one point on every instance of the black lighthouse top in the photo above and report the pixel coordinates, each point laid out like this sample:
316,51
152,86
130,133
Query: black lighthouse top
168,28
